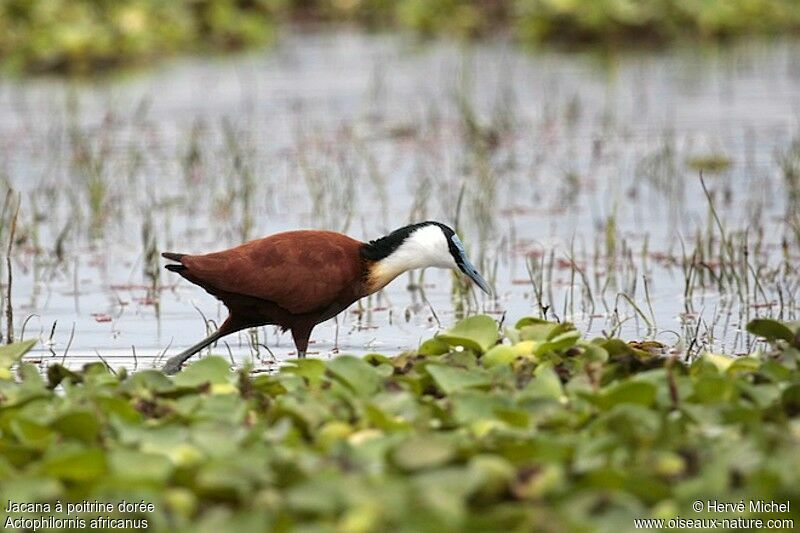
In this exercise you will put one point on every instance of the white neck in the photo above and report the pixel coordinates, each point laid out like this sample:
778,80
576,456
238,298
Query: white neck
426,247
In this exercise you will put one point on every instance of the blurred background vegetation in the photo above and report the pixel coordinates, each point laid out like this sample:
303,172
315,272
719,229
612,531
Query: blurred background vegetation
90,35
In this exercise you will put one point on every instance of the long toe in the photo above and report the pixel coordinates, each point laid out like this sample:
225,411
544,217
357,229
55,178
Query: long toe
172,367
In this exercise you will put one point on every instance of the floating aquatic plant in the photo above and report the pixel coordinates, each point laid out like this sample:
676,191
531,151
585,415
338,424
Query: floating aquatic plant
537,429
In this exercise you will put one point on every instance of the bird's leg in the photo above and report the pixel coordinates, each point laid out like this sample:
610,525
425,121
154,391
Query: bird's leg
301,334
173,364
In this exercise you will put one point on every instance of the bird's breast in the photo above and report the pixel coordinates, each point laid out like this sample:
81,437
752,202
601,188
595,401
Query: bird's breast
378,275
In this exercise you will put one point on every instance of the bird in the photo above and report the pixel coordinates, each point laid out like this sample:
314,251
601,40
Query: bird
298,279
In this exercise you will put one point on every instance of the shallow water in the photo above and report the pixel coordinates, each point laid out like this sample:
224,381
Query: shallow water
577,155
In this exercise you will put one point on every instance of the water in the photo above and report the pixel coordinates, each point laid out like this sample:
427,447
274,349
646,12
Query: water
363,133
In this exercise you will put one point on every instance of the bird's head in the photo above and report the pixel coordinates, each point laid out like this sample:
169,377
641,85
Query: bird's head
422,245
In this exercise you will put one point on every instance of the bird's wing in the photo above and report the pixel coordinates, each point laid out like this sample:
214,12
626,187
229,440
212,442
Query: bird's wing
301,271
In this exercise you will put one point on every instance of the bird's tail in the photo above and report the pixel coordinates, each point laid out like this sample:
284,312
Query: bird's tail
174,257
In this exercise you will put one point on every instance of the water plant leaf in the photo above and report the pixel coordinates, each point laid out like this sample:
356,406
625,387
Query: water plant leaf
434,346
712,163
709,388
530,320
31,433
538,331
634,392
10,354
312,370
771,330
617,348
58,373
594,353
135,466
211,369
790,400
558,343
74,464
423,452
722,362
356,373
453,379
546,384
744,365
448,442
477,333
149,381
502,354
77,424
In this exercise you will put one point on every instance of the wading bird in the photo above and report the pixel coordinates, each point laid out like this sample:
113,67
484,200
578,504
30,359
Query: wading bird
298,279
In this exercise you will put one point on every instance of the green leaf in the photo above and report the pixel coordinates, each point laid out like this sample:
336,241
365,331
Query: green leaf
311,369
320,496
501,354
771,330
473,405
148,381
74,465
212,369
722,362
712,388
10,354
617,348
539,331
790,400
31,433
452,379
80,425
744,365
133,465
117,407
546,384
477,333
58,373
594,353
558,343
531,321
635,392
356,373
434,346
423,452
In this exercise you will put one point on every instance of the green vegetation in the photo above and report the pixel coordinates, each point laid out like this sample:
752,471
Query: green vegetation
85,35
542,431
653,20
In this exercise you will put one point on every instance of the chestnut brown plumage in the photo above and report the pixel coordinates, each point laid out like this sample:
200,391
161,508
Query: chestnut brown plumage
298,279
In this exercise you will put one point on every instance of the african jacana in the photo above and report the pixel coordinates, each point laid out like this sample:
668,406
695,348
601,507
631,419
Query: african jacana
298,279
